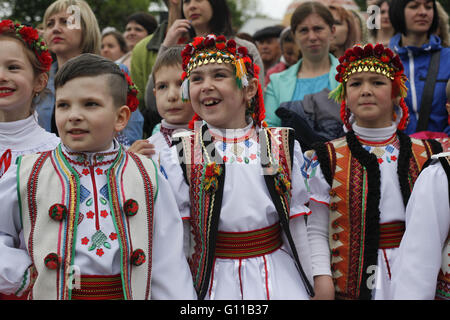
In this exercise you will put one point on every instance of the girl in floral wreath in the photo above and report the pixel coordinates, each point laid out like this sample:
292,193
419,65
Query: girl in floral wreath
238,186
24,65
360,184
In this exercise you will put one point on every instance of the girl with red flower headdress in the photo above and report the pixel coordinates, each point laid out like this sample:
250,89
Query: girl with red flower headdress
360,183
24,65
236,188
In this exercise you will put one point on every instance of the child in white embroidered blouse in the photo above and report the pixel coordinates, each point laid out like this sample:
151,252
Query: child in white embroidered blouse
88,211
24,65
248,227
175,113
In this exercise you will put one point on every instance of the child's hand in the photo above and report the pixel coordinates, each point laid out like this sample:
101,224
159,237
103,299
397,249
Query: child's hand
142,147
178,28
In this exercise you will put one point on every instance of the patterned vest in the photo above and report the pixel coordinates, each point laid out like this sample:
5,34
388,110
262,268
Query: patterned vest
51,241
354,176
206,183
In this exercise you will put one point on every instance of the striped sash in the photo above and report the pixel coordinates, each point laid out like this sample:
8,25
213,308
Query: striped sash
391,234
248,244
93,287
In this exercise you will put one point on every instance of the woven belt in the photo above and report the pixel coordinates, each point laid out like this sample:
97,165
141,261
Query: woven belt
99,288
391,234
249,244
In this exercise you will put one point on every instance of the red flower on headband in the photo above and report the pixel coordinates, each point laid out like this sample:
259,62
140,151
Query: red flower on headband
378,50
132,100
29,35
31,38
45,59
368,50
6,25
197,43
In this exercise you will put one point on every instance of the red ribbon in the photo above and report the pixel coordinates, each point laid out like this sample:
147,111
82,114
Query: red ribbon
5,161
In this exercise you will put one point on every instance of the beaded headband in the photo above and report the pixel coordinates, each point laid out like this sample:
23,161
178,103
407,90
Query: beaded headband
379,60
210,50
31,39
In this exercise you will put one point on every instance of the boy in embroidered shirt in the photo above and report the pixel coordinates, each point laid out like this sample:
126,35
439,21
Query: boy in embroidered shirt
176,113
360,220
223,191
89,211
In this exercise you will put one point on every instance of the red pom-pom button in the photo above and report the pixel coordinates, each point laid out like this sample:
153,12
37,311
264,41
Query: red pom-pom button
137,257
130,207
57,212
51,261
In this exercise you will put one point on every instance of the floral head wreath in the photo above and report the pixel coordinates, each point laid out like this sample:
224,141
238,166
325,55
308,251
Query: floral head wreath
376,59
132,100
32,40
212,49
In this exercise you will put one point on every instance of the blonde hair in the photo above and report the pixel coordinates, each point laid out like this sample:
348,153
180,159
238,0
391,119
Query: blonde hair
91,36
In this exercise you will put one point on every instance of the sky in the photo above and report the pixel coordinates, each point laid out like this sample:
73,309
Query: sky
274,8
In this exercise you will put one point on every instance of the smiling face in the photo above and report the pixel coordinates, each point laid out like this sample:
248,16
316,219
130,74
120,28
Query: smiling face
134,32
86,116
216,98
168,95
368,97
18,82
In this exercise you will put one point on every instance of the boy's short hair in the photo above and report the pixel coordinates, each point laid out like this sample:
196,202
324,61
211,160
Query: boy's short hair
170,57
92,65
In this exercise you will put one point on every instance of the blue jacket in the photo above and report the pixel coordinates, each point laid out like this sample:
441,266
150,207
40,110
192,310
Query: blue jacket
282,87
416,62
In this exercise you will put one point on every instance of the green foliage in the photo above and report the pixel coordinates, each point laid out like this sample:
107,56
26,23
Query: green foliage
108,12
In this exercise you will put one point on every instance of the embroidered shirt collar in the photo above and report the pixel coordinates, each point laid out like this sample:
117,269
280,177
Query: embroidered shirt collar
87,159
232,133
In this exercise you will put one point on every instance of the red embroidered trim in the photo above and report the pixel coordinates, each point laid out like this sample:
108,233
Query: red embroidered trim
391,234
379,143
249,244
149,196
245,137
93,287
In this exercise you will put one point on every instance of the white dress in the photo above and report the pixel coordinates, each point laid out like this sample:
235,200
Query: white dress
170,271
247,206
25,137
391,207
422,251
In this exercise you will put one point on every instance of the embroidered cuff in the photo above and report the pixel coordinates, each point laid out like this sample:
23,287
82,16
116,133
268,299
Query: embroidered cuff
29,277
300,214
